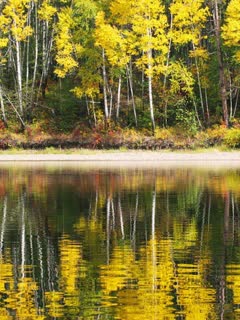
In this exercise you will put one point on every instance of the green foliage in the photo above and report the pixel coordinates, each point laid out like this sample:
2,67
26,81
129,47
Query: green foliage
64,110
187,121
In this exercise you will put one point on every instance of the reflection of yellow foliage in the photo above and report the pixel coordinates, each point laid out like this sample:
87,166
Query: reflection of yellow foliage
54,303
194,296
144,287
71,260
22,300
71,269
184,236
4,314
6,276
115,276
233,282
90,225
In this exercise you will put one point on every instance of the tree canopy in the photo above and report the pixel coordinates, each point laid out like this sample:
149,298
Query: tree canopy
134,63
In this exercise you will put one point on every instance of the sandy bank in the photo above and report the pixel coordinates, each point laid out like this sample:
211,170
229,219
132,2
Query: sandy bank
128,156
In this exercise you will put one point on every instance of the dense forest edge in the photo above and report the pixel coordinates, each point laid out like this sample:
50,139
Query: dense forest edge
146,74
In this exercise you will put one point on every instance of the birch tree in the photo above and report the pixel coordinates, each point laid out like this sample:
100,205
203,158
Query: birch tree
15,13
216,7
64,46
140,33
3,45
189,21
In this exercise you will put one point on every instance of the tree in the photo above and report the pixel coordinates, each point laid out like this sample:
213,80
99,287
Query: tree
189,20
16,16
140,31
231,27
217,23
64,45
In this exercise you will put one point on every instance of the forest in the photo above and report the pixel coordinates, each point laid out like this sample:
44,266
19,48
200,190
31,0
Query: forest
149,74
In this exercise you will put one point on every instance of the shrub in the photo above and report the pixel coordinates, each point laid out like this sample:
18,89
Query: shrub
211,137
163,134
187,121
232,138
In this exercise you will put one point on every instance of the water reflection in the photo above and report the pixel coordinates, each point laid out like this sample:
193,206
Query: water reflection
119,244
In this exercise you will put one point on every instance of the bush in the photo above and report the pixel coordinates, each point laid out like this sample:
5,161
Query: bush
187,121
163,134
232,138
211,137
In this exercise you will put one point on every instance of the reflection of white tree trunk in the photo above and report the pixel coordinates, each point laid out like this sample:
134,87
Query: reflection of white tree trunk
209,209
233,217
222,288
31,248
3,226
154,255
135,225
121,217
108,227
40,257
113,215
202,230
23,239
96,205
153,214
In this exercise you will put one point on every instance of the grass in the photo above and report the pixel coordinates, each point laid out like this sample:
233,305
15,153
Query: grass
52,150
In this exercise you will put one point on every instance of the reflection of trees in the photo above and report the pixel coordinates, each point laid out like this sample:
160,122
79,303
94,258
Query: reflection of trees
24,249
124,245
156,285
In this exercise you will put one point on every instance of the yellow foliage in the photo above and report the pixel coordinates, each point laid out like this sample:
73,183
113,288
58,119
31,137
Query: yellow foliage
46,11
3,42
231,27
189,18
181,79
199,53
111,39
64,46
163,134
16,19
135,28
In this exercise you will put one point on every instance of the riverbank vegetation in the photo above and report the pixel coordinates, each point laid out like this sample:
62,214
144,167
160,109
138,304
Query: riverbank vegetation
119,73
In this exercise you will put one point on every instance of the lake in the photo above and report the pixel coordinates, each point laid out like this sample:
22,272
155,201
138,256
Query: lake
79,242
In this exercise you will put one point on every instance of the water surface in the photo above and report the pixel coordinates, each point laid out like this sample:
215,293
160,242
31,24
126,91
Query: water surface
79,243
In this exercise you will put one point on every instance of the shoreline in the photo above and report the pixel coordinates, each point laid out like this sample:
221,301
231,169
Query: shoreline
124,156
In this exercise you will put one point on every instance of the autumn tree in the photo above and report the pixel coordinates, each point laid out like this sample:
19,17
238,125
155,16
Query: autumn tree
189,21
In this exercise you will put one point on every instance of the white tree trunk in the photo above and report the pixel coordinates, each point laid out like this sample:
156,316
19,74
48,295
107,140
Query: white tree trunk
149,56
2,106
132,95
105,86
119,96
36,55
19,76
